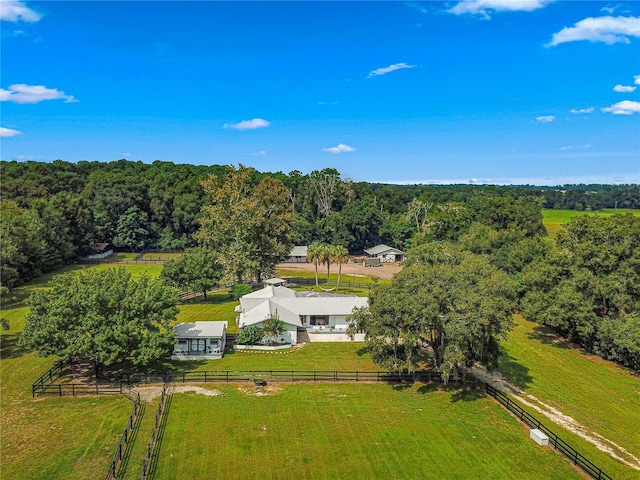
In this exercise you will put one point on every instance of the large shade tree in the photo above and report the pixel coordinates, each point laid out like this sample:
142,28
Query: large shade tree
105,315
448,309
247,223
198,270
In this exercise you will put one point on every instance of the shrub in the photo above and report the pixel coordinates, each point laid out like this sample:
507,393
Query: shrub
250,336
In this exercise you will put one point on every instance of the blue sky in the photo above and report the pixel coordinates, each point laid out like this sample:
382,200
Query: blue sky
483,91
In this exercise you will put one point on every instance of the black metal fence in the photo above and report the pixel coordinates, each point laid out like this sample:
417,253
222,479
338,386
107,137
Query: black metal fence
116,463
154,443
47,377
562,446
206,376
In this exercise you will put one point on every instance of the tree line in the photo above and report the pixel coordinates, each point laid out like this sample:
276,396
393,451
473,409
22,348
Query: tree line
55,212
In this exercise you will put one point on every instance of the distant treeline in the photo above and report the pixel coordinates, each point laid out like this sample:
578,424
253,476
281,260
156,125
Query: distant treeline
55,212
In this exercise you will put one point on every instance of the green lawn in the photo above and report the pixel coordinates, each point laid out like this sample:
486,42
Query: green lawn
554,219
218,307
349,431
596,392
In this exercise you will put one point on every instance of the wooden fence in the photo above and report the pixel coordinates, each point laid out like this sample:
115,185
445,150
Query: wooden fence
121,451
563,447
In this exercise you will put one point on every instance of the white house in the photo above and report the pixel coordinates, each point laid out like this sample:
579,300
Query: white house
322,315
199,340
385,253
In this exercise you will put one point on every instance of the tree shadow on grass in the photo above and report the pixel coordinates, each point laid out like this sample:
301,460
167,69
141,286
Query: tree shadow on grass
515,372
548,336
9,346
467,394
362,351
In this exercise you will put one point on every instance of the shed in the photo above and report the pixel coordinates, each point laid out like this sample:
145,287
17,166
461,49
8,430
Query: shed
298,254
385,253
199,340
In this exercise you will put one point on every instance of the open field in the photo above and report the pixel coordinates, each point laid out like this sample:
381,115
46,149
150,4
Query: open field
348,431
554,219
52,438
597,393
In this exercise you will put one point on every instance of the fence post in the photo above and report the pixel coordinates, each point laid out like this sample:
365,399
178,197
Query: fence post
205,376
60,389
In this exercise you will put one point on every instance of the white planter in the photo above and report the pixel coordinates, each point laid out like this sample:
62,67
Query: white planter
266,348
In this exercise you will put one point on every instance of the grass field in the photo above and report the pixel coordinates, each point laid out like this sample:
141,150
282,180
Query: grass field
554,219
596,392
217,307
349,431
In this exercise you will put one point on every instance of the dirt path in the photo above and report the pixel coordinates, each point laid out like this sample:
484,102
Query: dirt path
603,444
354,269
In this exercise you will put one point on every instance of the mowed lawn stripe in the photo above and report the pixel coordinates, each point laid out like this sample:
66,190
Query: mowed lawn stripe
349,431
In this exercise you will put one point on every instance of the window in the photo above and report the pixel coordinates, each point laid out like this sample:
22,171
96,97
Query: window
319,320
197,345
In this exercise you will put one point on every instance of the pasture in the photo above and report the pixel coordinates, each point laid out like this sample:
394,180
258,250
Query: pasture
348,431
554,219
595,392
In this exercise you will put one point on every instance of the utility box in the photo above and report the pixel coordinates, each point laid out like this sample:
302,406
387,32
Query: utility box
539,437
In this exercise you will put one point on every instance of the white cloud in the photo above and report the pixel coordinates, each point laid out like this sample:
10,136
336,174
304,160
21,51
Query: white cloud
545,119
15,10
624,88
581,111
389,69
22,93
609,30
340,148
260,153
565,148
485,7
625,107
248,124
636,79
9,132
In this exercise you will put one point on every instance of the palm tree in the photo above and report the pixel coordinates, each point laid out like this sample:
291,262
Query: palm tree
340,255
326,256
314,252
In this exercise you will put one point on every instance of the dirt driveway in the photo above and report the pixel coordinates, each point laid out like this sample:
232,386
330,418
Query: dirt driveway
355,269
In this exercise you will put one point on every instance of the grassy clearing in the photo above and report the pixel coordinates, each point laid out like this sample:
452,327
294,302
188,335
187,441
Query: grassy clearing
594,391
349,431
313,356
554,219
217,307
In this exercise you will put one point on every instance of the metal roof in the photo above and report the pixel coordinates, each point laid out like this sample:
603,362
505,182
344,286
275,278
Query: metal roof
380,249
200,329
299,251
